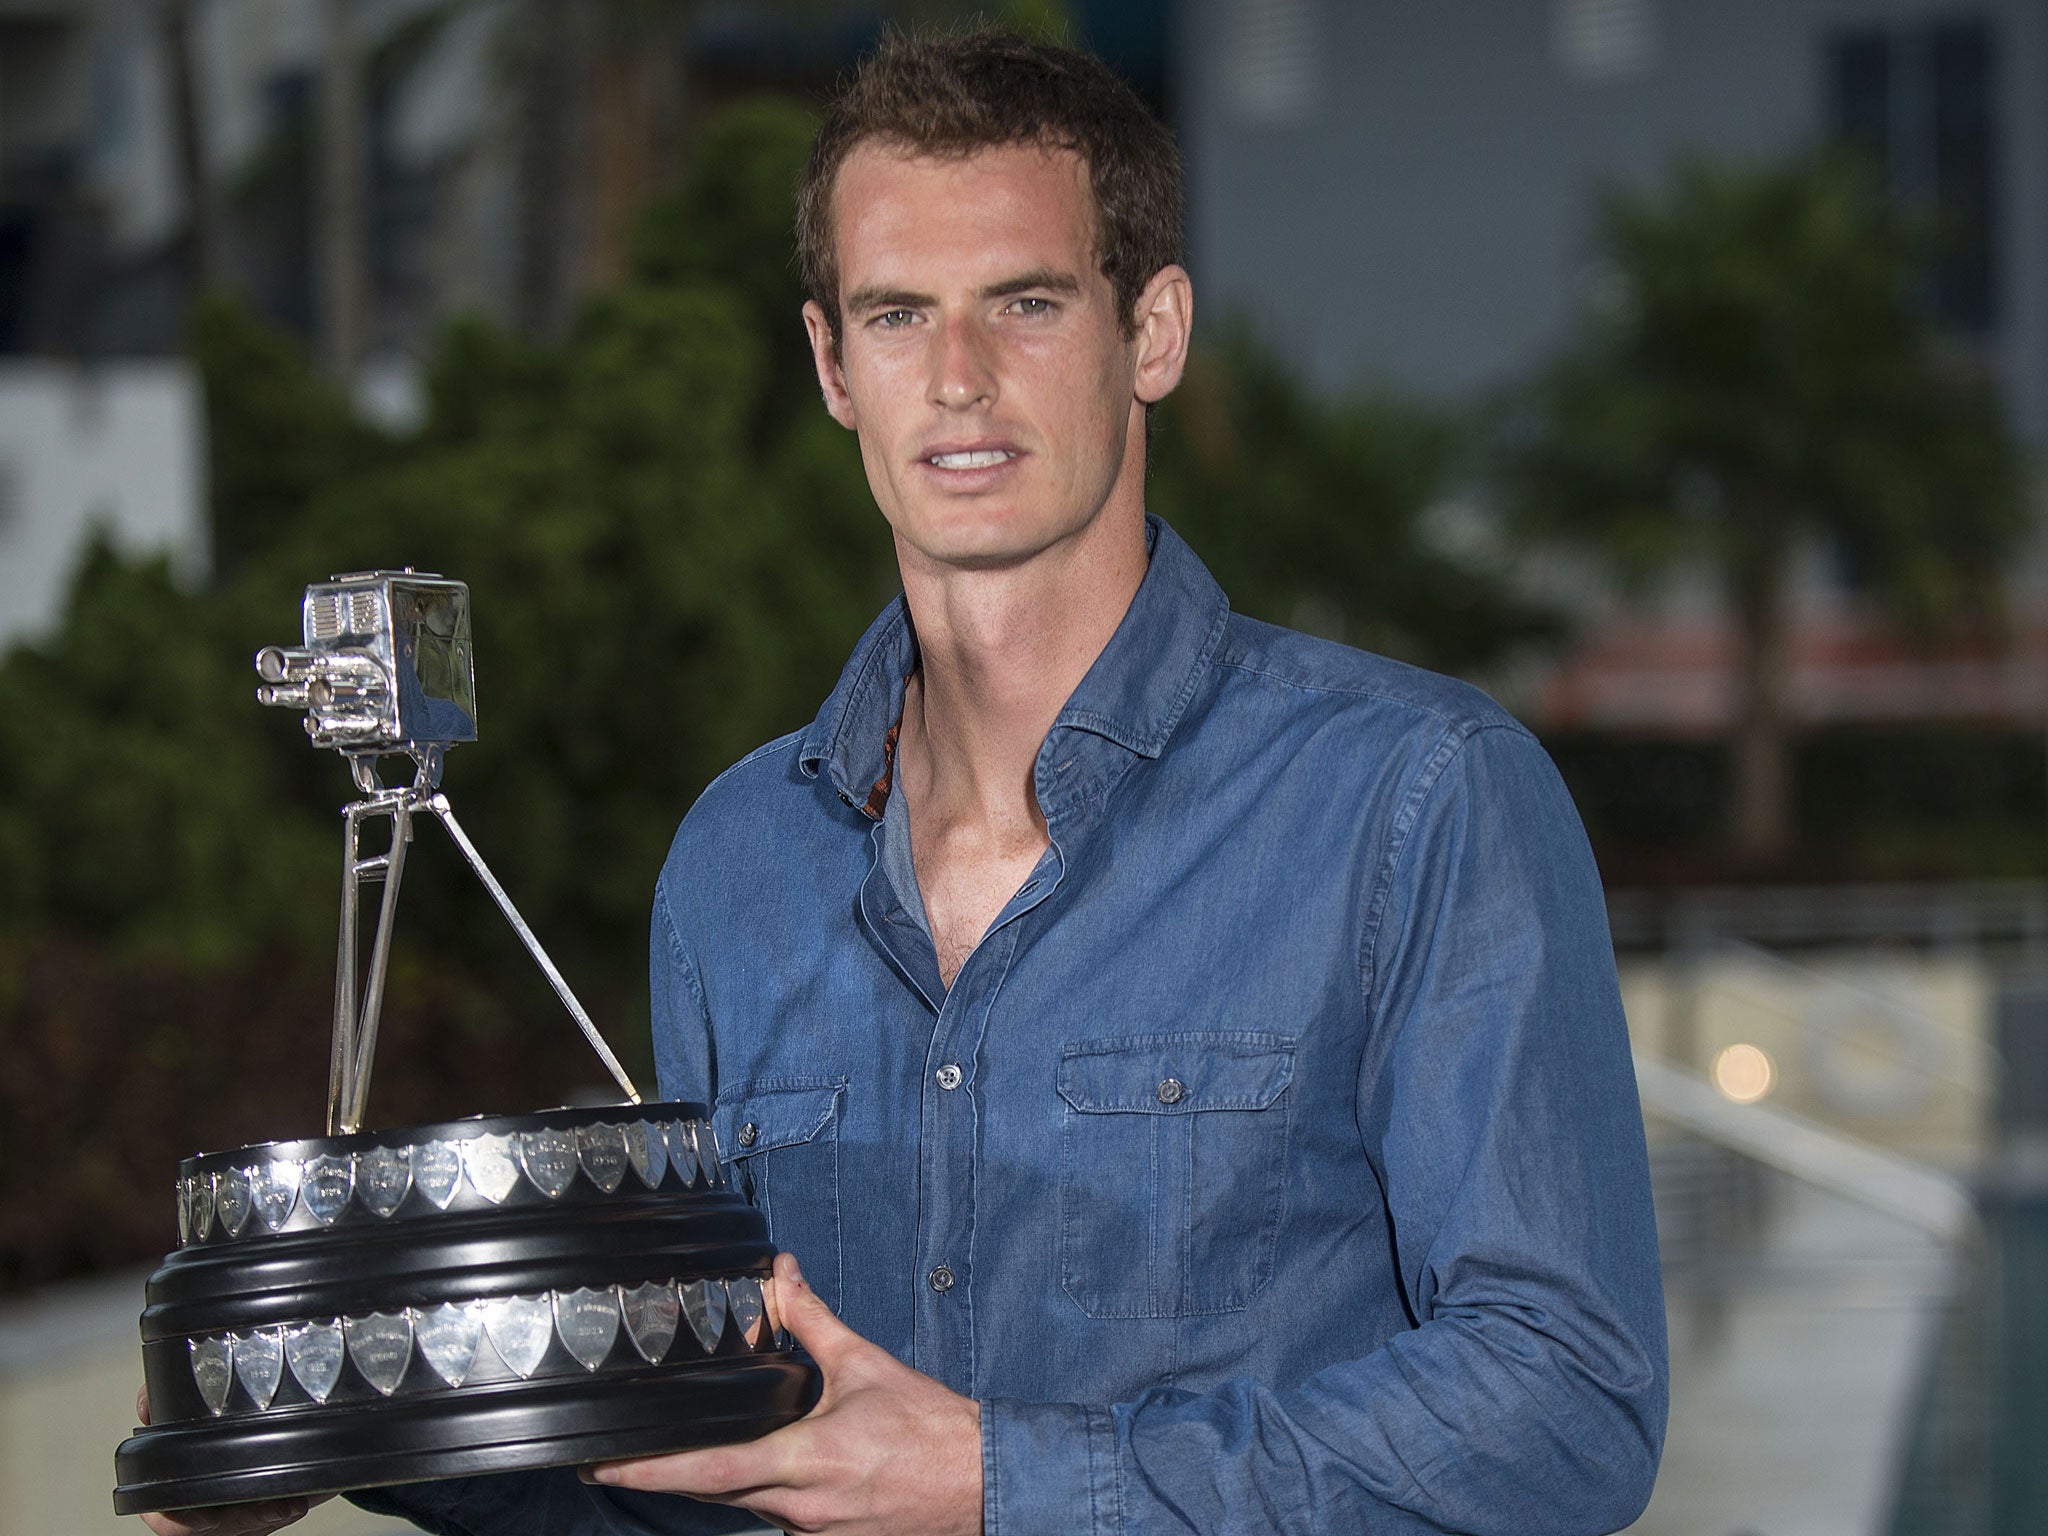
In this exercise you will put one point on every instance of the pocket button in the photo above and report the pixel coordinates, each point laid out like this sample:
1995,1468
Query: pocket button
749,1134
1171,1090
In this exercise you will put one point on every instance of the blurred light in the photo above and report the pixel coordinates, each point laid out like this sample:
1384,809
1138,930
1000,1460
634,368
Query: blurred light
1744,1073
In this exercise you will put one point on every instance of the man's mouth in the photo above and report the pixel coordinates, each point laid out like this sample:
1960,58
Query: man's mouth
978,458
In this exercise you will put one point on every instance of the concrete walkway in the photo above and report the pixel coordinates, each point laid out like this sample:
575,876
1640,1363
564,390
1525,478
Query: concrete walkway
1793,1388
70,1362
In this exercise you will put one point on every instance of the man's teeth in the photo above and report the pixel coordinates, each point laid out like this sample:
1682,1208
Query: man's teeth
980,458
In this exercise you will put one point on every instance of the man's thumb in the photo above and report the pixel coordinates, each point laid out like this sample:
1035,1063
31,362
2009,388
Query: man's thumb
803,1312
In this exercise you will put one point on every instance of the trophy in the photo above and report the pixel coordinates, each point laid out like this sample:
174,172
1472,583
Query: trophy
513,1291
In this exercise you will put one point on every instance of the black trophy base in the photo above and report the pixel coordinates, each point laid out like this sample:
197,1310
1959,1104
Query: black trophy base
478,1296
533,1425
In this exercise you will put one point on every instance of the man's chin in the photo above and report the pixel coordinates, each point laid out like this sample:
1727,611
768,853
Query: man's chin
986,545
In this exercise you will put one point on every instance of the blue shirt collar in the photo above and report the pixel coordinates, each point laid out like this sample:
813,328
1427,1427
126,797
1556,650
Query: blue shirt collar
1134,694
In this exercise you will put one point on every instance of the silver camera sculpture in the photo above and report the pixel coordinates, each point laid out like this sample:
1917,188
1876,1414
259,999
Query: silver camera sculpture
388,669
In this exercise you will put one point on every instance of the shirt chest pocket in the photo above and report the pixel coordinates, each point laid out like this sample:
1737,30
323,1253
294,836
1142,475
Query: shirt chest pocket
781,1136
1173,1171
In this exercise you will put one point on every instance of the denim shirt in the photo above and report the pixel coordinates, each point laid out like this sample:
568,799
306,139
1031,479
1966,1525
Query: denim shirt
1272,1164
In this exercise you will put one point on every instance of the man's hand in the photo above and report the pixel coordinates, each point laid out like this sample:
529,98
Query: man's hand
225,1519
887,1451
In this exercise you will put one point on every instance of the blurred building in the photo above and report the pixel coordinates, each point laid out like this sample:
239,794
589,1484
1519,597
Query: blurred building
1404,194
503,150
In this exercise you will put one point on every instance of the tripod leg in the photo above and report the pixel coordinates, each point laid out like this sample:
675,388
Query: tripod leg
380,961
440,807
340,1064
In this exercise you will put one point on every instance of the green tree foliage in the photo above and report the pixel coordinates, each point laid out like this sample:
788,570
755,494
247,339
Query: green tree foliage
670,548
1314,512
1758,381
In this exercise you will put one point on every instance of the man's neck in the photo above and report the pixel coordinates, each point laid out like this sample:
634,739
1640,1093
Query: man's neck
1000,652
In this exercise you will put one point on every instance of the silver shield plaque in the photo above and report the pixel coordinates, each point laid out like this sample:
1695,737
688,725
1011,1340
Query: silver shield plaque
213,1371
652,1312
232,1201
519,1328
314,1350
748,1307
381,1347
491,1167
601,1149
587,1321
274,1186
682,1149
549,1158
448,1336
259,1363
644,1147
384,1178
202,1206
437,1169
704,1305
327,1184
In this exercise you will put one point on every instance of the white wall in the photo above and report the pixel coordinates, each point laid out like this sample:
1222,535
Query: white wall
121,446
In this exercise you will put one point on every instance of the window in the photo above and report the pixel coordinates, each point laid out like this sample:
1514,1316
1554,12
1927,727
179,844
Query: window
1603,39
1921,100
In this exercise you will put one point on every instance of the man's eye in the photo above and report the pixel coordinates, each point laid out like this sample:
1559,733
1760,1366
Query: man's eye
1029,305
891,319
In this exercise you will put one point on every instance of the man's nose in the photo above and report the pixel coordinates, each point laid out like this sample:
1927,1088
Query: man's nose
963,372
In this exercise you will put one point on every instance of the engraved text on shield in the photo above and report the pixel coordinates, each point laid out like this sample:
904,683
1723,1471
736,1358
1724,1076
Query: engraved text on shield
549,1158
212,1370
329,1181
588,1321
383,1175
437,1169
314,1351
275,1188
232,1200
602,1151
448,1335
259,1363
491,1168
381,1346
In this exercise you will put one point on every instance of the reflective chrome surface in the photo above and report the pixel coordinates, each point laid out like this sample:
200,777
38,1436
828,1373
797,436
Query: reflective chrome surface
265,1191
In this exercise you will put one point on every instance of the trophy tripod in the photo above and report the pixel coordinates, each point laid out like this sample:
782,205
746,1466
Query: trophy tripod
474,1296
387,670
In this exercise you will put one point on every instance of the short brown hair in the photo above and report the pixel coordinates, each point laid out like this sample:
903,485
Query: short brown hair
953,94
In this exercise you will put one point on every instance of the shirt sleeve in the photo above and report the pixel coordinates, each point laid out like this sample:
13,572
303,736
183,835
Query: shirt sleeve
1496,1102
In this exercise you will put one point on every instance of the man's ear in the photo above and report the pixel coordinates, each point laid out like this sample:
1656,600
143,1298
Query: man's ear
1166,319
825,357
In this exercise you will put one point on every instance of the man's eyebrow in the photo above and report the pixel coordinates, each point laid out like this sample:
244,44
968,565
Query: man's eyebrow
1041,279
862,300
1044,278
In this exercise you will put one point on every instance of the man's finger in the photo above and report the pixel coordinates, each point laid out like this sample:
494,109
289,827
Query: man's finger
810,1322
722,1472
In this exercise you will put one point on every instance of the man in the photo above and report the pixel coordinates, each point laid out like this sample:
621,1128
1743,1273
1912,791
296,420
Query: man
1183,1056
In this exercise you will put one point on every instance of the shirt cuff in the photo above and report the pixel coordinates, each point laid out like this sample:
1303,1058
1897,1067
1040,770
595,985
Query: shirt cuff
1047,1469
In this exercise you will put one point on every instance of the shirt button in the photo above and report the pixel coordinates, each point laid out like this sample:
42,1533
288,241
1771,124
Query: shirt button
1171,1090
751,1133
949,1077
941,1278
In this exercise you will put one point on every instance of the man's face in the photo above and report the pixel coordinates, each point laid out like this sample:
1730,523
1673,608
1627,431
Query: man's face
981,359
